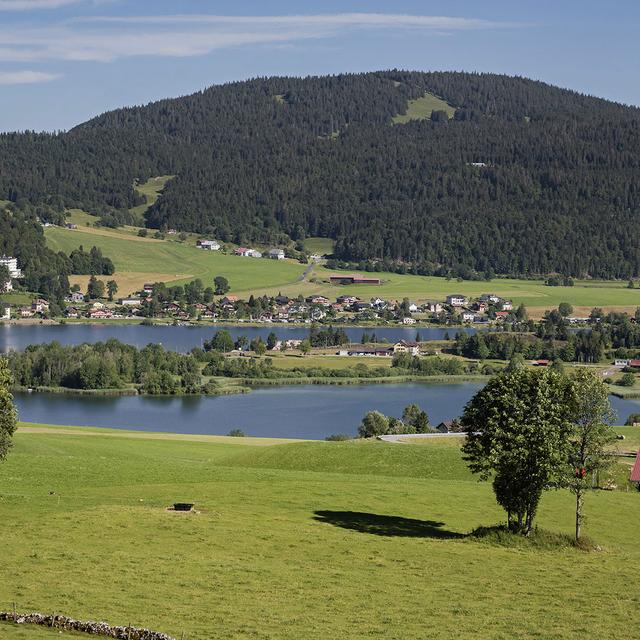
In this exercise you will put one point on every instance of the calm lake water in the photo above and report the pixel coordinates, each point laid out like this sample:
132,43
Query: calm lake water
305,411
182,339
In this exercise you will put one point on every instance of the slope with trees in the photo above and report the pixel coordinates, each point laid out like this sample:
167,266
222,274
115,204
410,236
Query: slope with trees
525,178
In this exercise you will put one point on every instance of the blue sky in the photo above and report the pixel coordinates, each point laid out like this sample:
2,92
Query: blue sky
63,61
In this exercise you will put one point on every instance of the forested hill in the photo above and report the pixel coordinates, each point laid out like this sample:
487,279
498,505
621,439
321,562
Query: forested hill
524,178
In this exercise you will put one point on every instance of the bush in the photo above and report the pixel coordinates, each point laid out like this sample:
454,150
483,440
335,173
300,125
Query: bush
236,433
338,437
373,424
627,380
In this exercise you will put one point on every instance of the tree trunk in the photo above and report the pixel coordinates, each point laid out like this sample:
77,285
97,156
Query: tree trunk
528,524
579,500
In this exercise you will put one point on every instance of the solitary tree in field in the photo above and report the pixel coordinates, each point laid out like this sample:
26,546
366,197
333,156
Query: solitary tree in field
221,285
518,427
591,437
305,346
8,415
112,289
565,309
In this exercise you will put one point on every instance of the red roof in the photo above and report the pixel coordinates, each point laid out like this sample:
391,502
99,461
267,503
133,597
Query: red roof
635,472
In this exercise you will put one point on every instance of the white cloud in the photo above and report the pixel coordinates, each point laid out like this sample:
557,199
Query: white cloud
32,5
109,38
25,77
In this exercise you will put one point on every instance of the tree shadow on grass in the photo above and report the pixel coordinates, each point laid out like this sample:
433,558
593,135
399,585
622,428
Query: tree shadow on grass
380,525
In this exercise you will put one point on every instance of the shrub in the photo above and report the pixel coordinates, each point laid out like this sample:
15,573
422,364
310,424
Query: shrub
373,424
627,380
236,433
338,437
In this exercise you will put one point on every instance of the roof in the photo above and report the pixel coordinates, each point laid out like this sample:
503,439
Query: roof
635,472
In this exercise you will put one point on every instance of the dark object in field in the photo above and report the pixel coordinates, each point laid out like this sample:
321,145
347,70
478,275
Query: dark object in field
183,506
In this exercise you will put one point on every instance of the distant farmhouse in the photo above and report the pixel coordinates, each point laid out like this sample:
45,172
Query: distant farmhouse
208,245
353,279
456,300
247,253
276,254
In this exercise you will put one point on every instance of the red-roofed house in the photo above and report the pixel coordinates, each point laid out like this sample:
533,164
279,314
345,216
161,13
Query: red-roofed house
635,472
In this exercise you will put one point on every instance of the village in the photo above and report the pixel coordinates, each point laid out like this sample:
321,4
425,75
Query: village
152,302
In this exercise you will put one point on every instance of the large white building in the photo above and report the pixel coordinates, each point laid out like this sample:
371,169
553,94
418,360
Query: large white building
12,265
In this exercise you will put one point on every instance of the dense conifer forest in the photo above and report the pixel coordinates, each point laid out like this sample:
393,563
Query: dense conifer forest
525,178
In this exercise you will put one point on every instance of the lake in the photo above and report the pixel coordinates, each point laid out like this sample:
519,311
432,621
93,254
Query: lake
184,338
304,411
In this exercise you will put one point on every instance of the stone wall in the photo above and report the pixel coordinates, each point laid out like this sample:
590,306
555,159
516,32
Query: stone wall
91,628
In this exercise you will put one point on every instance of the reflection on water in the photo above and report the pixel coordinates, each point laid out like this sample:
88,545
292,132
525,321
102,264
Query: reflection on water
304,411
17,337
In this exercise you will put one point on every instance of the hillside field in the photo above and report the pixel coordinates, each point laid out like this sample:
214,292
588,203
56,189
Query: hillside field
151,189
139,260
421,108
296,540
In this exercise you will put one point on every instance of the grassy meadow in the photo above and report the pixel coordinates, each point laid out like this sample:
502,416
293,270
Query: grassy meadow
421,108
139,260
151,189
296,540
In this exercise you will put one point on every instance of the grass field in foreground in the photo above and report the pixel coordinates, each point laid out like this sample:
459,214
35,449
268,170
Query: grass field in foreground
301,540
140,260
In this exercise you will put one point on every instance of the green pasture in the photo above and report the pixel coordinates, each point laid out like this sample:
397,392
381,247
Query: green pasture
151,189
299,540
142,259
584,295
319,246
421,108
177,262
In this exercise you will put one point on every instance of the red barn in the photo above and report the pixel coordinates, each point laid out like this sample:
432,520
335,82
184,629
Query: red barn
635,472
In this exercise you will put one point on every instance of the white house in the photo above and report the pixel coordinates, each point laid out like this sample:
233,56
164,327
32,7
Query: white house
76,296
208,245
507,305
130,302
379,303
408,321
456,300
5,310
404,346
468,316
12,266
276,254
